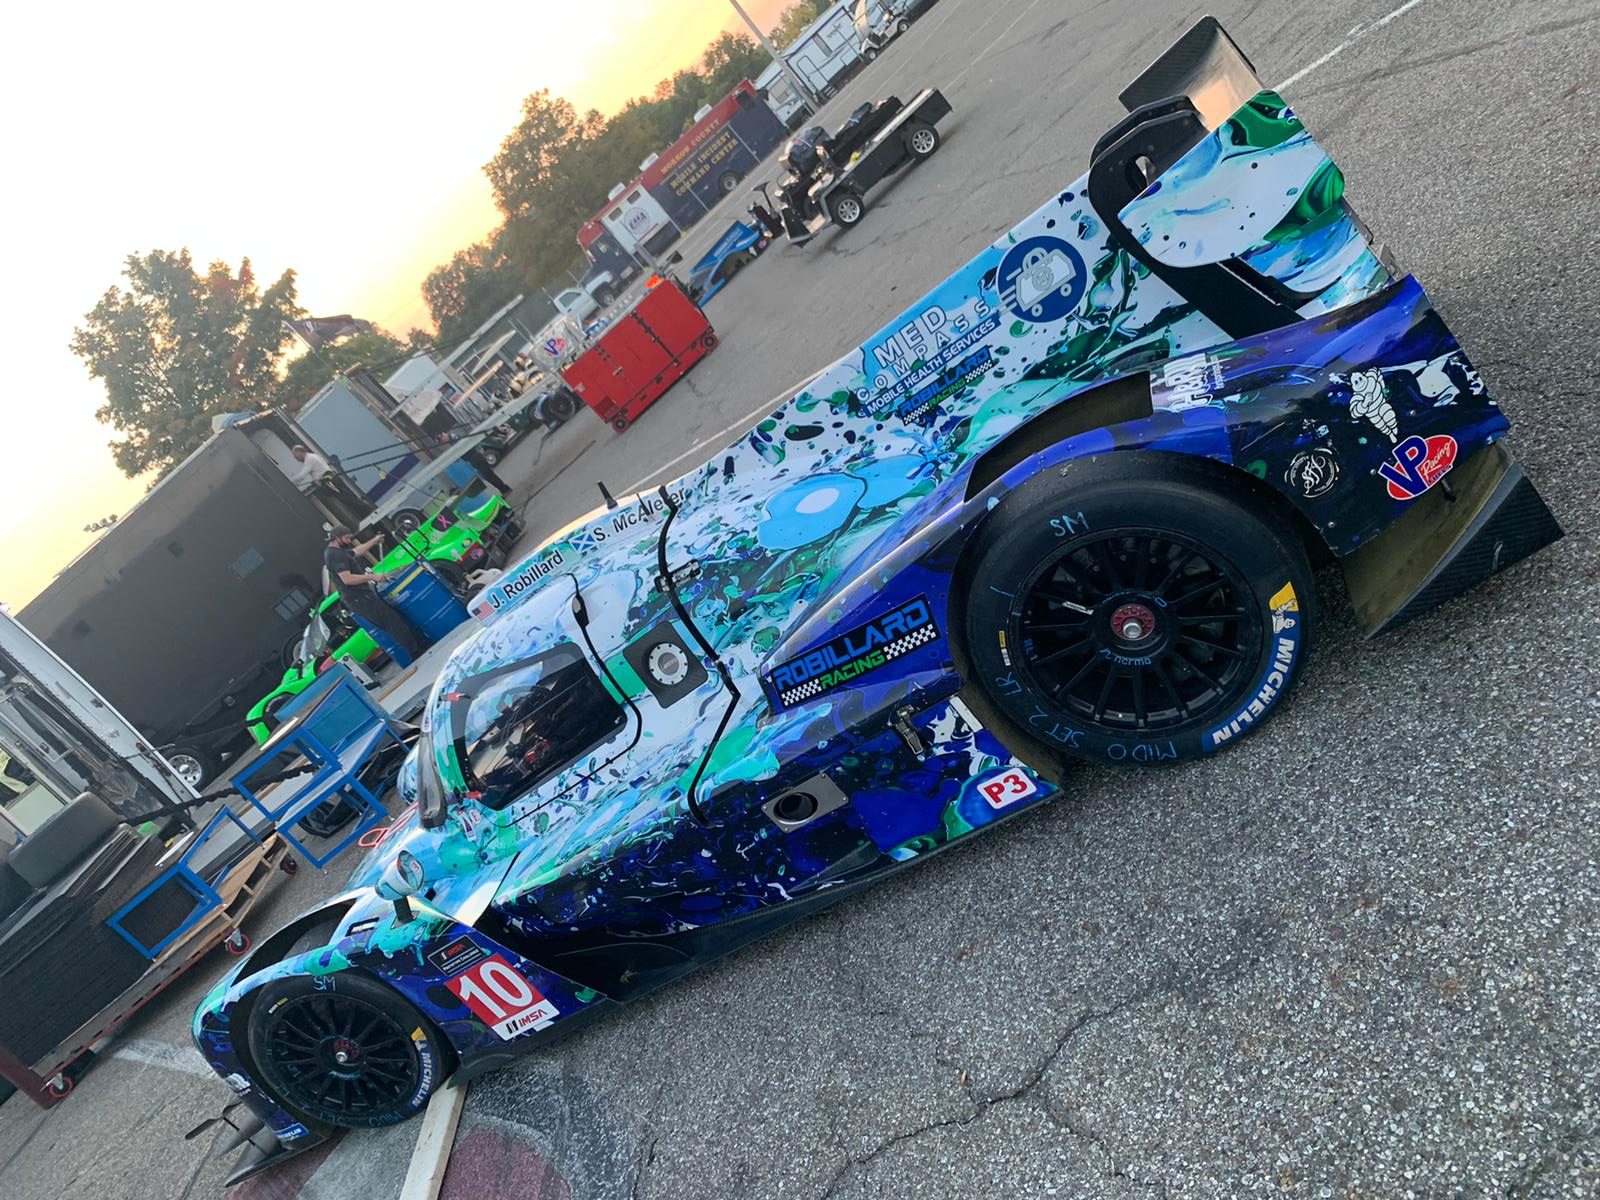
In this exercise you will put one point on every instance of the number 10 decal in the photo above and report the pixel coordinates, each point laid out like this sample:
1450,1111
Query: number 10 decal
499,996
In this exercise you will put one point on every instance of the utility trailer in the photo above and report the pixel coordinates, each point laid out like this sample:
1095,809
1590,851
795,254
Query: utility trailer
183,613
85,807
828,176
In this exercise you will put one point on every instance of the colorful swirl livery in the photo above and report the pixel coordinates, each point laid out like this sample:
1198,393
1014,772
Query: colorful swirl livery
1066,505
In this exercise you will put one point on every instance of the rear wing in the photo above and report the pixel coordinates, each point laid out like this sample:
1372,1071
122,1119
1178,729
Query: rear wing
1213,184
1206,67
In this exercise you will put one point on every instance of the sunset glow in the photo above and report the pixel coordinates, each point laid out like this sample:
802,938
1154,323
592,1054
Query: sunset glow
345,142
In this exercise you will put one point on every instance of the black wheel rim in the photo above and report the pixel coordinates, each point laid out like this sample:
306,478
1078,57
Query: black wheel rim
1136,632
340,1056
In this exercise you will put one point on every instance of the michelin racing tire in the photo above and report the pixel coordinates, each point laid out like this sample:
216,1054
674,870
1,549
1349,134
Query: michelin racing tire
394,1058
1132,618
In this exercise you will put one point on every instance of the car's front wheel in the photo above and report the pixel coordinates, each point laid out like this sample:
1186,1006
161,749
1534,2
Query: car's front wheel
1134,619
345,1049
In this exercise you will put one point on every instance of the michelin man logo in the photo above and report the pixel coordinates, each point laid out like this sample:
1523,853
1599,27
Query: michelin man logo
1369,401
1041,279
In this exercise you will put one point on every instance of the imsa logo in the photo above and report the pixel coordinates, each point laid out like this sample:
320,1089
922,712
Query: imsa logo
854,653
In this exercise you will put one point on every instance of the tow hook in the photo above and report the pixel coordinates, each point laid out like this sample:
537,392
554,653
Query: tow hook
901,724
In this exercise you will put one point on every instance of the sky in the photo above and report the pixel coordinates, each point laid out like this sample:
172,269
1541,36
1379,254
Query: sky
345,141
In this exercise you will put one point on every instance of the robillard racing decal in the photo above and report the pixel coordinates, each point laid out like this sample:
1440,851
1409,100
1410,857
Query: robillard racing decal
502,998
1418,464
851,654
1284,606
1006,788
456,956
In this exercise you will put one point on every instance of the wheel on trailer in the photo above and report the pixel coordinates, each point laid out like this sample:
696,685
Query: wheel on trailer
290,865
237,943
345,1049
709,341
620,423
561,405
846,208
409,520
727,181
1134,617
193,764
921,139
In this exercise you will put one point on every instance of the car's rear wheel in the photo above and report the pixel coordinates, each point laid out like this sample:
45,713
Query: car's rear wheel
1135,620
490,455
344,1049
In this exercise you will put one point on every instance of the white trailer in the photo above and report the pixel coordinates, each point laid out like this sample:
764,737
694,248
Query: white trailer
60,737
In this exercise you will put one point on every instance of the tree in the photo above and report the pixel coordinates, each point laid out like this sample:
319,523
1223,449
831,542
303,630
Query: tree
175,348
730,58
794,20
535,156
465,292
306,375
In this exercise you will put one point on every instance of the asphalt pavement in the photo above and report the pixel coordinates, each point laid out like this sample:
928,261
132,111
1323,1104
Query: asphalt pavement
1355,956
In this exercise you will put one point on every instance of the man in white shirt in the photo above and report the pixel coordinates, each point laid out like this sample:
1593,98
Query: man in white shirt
313,468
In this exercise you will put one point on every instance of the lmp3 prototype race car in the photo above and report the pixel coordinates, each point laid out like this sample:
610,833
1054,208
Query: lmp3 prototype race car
1065,506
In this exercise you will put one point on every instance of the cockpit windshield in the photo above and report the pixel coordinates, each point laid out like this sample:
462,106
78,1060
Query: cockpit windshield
313,643
517,725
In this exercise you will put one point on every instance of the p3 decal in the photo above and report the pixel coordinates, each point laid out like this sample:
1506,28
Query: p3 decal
1008,787
1418,464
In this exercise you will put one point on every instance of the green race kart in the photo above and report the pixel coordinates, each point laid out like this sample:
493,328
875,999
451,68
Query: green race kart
473,532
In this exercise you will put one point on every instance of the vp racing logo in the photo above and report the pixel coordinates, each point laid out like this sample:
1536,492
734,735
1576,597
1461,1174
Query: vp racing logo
1041,279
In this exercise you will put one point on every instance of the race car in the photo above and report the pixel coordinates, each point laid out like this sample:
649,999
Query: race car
740,246
1064,507
331,635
